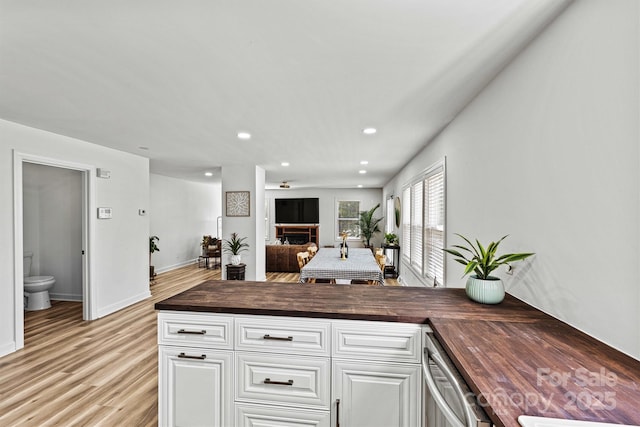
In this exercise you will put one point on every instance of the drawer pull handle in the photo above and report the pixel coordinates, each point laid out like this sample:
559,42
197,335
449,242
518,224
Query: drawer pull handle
186,356
268,381
184,331
269,337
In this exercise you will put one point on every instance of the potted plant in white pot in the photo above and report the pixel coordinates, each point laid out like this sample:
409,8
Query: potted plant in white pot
481,286
236,245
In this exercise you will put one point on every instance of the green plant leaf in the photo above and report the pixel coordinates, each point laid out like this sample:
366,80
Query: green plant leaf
471,266
483,259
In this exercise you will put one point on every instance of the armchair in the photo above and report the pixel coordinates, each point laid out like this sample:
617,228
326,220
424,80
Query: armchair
212,248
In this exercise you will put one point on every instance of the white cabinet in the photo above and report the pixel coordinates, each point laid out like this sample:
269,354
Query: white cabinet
376,374
370,394
226,370
195,387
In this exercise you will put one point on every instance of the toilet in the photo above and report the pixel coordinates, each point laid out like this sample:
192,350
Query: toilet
36,288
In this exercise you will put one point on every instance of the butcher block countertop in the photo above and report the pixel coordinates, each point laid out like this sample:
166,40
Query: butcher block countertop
517,359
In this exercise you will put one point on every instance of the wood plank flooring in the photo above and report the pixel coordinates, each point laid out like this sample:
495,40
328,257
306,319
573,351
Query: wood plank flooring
100,373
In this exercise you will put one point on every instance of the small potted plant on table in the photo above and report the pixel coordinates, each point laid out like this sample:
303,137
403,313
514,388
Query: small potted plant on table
236,245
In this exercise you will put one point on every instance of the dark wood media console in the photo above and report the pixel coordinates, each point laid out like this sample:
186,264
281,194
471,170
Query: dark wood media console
297,234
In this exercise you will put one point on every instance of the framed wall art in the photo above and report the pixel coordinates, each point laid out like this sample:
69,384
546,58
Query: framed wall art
237,203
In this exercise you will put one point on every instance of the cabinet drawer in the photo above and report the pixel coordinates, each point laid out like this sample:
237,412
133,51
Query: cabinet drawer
261,416
283,335
279,379
393,342
208,331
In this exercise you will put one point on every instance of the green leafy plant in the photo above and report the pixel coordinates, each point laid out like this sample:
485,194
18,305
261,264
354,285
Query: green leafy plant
152,244
369,225
153,247
482,260
391,238
236,244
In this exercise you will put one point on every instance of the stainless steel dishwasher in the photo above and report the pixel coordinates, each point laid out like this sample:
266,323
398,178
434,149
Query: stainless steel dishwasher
448,400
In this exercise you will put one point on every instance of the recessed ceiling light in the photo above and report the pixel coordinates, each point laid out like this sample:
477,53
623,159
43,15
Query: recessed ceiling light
208,174
362,171
359,185
364,162
369,131
284,164
244,135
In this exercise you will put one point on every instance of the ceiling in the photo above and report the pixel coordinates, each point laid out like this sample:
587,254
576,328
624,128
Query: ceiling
175,81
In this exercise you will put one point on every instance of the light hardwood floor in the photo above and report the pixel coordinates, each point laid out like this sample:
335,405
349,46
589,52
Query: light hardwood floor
100,373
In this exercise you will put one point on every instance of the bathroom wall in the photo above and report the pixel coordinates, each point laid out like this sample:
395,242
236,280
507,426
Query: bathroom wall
52,222
119,246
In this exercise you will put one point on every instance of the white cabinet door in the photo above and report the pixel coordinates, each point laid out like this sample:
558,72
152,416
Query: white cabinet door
376,394
195,387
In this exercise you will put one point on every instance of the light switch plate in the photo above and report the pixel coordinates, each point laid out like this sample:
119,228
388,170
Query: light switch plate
104,213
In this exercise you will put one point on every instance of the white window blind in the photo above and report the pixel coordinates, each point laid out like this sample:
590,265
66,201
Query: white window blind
423,223
434,208
416,225
406,222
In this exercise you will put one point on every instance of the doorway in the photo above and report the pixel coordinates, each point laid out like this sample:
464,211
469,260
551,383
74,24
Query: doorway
79,285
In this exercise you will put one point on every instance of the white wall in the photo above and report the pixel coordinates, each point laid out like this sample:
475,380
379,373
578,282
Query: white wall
52,212
249,178
548,153
181,212
328,197
120,274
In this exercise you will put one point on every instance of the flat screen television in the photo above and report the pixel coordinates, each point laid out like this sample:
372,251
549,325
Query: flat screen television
298,211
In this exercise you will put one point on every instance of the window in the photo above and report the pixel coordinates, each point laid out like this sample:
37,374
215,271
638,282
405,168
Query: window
348,218
423,223
416,225
406,222
434,224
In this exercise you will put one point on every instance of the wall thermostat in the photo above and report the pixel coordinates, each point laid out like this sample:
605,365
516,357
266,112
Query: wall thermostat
104,213
103,173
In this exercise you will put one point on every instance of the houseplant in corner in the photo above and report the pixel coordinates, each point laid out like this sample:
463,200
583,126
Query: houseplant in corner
235,245
369,225
481,286
152,248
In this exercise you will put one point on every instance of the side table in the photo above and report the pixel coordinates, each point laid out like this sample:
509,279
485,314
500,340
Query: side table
203,259
393,269
235,272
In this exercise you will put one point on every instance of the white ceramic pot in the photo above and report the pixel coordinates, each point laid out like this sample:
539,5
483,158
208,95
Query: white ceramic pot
490,291
235,259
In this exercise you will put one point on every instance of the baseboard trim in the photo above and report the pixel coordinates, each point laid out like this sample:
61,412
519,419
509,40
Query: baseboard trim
105,311
7,348
65,297
174,266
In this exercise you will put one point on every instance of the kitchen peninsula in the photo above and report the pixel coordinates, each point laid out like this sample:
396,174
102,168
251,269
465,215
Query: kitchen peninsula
272,347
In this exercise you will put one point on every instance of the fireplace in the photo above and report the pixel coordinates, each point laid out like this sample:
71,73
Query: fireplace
296,239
